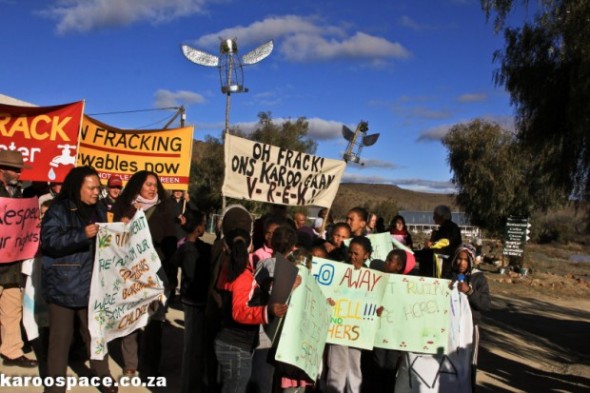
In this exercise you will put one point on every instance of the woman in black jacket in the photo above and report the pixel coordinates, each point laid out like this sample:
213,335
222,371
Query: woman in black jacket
145,191
68,234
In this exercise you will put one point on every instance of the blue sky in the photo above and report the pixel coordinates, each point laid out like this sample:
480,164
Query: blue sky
411,68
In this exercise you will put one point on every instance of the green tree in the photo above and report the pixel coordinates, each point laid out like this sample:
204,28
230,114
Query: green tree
489,173
546,68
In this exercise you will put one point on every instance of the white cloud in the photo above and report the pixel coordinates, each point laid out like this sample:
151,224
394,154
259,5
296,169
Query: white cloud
472,97
438,132
167,98
422,185
410,23
307,47
303,39
319,129
87,15
434,133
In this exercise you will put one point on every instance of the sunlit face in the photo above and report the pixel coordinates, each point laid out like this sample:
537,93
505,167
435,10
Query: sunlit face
149,189
339,235
356,223
393,265
90,190
268,234
462,262
114,192
357,255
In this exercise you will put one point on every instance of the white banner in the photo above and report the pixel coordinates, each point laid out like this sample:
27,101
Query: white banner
259,172
124,282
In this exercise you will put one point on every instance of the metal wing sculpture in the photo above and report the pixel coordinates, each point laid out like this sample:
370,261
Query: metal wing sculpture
258,54
200,57
358,139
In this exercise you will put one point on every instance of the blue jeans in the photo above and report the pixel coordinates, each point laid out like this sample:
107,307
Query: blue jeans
236,367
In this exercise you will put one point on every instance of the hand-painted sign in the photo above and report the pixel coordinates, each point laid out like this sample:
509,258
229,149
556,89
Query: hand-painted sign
416,314
112,151
266,173
357,294
19,228
47,137
305,328
124,284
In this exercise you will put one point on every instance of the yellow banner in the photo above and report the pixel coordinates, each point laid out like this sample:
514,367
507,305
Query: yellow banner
112,151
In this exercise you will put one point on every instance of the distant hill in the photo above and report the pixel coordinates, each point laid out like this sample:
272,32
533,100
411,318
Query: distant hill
358,194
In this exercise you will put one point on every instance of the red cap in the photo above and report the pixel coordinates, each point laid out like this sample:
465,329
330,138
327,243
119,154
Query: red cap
115,181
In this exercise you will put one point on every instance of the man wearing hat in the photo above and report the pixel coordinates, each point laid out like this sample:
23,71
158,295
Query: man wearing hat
11,302
114,187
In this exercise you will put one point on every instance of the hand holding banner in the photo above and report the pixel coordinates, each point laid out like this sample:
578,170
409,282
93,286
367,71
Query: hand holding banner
124,282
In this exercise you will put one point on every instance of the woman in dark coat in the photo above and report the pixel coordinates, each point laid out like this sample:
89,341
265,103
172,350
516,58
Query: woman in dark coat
68,236
145,191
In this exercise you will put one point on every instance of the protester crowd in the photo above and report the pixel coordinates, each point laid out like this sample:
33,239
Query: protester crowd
224,288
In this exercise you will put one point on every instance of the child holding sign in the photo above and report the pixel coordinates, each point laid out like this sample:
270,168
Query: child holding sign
344,363
384,362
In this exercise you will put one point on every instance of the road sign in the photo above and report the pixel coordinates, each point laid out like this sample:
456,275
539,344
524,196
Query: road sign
516,235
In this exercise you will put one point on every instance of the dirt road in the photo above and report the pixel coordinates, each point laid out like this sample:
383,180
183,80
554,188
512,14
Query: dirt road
534,342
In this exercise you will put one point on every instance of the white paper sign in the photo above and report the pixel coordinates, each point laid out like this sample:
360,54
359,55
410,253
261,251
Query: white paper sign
124,282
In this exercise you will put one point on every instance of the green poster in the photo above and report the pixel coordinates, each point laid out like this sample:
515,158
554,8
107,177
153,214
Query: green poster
381,242
303,338
357,294
416,315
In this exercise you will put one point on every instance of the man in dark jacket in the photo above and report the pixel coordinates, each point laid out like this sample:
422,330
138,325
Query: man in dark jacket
443,241
11,306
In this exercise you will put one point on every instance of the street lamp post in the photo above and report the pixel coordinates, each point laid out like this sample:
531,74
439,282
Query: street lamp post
231,71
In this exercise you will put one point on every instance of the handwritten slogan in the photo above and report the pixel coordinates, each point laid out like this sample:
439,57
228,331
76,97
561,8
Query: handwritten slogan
266,173
358,294
124,282
304,330
416,315
46,137
112,151
19,228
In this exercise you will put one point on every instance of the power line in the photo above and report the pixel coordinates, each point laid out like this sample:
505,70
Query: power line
134,111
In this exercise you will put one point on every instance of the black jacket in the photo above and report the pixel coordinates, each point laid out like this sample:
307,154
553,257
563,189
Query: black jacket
194,258
68,255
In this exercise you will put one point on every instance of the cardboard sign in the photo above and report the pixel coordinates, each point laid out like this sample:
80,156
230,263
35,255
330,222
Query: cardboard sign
259,172
47,137
303,338
124,282
416,314
112,151
357,293
19,229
